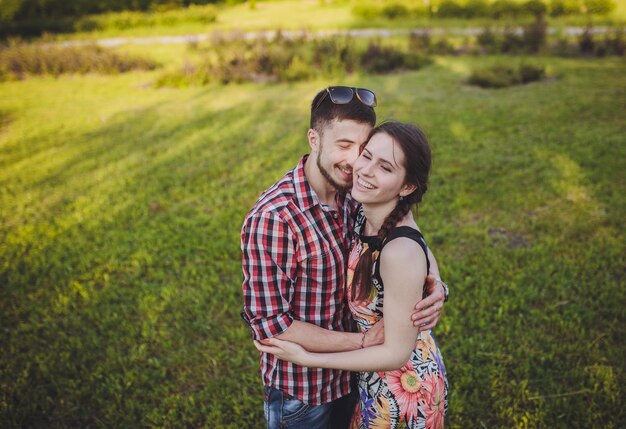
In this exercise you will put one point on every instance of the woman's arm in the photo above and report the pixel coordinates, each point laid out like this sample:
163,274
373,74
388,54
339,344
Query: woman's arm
402,263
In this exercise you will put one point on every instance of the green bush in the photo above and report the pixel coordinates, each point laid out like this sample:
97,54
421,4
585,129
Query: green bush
476,8
378,58
287,60
615,42
534,35
484,8
381,59
488,40
23,59
612,43
564,7
395,10
450,9
535,7
599,7
585,41
419,41
512,41
504,8
502,76
531,73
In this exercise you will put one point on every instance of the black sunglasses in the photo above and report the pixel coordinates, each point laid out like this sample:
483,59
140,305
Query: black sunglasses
344,94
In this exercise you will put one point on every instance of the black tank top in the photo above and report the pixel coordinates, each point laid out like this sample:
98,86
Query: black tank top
375,244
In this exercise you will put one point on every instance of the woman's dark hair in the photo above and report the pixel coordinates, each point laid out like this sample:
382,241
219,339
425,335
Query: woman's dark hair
417,156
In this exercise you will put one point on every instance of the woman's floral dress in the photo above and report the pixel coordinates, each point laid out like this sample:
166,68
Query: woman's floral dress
414,396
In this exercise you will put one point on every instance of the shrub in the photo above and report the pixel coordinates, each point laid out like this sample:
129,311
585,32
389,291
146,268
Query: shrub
564,7
233,60
612,43
512,41
419,41
421,10
488,40
531,73
585,41
21,59
476,8
534,35
450,9
395,10
504,8
615,42
494,77
502,76
381,59
298,69
535,7
599,7
442,46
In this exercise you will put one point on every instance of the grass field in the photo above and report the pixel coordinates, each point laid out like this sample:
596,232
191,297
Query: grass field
121,206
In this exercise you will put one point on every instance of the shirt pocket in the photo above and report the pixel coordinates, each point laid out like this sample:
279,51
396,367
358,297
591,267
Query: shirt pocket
318,270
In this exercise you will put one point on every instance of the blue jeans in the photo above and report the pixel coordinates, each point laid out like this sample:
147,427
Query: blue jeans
283,411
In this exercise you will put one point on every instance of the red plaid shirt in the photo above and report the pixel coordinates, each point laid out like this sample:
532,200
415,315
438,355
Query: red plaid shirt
294,265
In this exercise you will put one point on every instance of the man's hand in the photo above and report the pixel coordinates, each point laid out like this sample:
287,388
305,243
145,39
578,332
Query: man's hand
428,309
376,334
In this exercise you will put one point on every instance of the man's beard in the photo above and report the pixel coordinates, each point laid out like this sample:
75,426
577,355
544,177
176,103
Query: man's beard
327,176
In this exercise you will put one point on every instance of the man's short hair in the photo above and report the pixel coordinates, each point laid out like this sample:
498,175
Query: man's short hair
327,111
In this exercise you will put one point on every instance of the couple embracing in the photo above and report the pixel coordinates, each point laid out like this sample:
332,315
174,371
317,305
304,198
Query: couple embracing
321,249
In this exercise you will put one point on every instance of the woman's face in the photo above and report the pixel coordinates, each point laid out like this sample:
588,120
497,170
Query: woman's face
379,172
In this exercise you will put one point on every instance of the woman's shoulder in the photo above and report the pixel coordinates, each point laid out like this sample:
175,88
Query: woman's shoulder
402,249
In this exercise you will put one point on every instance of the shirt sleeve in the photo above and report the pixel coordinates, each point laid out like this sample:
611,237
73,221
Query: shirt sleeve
269,269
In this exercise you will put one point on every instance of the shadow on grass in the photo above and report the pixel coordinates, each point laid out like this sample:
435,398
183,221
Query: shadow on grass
123,289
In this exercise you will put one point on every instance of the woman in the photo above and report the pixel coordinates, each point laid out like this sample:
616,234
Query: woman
402,382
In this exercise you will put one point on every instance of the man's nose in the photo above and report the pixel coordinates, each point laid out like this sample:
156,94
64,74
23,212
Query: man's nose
354,154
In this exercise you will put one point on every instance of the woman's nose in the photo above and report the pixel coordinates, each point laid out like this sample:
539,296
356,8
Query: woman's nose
367,169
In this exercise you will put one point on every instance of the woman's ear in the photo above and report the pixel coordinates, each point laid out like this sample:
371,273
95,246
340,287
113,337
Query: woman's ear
407,189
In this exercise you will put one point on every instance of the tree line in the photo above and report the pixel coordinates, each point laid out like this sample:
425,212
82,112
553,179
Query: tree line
25,10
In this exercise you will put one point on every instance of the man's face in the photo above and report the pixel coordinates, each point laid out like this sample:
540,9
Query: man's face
338,149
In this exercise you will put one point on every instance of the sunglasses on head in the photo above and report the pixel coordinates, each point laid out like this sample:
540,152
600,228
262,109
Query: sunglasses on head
344,94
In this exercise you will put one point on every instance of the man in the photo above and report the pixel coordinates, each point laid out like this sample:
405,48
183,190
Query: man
294,244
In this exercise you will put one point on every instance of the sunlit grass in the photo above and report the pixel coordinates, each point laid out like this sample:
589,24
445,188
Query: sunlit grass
120,212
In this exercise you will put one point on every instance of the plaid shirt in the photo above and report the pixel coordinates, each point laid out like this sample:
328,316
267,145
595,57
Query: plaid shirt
294,263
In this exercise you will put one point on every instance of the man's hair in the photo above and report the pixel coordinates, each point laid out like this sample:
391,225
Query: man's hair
327,111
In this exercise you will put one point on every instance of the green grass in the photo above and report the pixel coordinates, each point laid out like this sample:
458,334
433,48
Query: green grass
120,212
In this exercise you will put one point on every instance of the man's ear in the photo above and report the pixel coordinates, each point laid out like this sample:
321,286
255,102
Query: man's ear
314,139
407,189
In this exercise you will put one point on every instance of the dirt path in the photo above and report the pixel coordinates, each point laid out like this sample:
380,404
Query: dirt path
370,32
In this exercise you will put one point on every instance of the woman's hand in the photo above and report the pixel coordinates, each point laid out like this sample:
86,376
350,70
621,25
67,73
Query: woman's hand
285,350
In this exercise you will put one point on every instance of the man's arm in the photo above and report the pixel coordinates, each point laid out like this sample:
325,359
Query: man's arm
428,310
398,270
269,265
